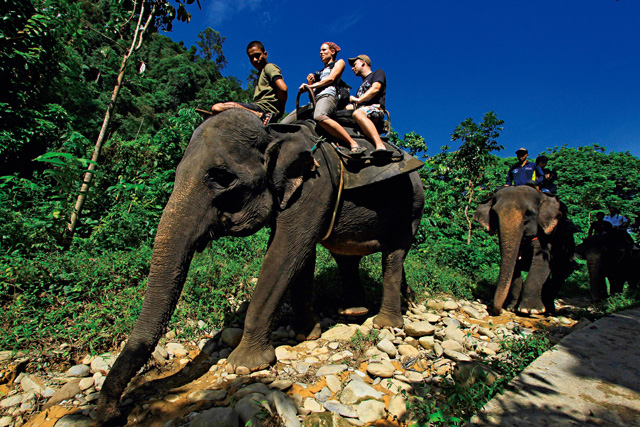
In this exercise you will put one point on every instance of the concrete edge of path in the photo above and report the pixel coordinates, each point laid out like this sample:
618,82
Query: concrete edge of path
590,378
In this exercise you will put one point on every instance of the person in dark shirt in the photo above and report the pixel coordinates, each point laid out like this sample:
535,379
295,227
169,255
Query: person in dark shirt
524,171
600,226
368,104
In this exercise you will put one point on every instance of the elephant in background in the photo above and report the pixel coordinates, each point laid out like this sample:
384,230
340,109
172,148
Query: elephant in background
236,177
535,236
612,255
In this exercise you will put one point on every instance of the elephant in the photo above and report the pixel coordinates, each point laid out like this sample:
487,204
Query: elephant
612,255
535,236
237,176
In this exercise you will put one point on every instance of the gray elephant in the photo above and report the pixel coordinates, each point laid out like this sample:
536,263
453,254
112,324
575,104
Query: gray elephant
535,236
614,256
236,177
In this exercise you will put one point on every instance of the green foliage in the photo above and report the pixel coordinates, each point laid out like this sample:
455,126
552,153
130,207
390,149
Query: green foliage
210,43
591,180
457,402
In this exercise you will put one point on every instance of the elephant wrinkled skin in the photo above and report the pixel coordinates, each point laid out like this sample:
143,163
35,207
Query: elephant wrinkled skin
236,177
612,256
535,236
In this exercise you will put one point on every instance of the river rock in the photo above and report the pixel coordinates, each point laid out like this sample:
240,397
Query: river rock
398,407
472,312
395,386
325,419
358,391
78,371
340,333
457,356
176,349
370,411
452,345
454,333
286,352
207,396
311,405
219,417
388,347
381,369
68,391
32,383
252,388
101,364
340,409
450,305
331,370
86,383
408,350
11,401
333,383
419,329
323,395
248,408
281,384
427,342
74,421
285,408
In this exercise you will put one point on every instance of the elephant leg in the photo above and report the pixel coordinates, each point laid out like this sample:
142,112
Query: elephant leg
352,303
306,325
515,290
408,294
390,309
288,257
552,286
531,300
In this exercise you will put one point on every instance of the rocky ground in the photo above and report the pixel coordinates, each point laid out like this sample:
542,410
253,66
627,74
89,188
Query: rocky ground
337,379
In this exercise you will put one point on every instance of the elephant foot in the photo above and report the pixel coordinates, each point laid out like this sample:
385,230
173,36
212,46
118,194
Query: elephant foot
531,307
249,358
511,306
383,320
353,311
305,335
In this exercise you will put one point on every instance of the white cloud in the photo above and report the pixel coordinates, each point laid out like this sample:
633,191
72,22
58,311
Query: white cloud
220,11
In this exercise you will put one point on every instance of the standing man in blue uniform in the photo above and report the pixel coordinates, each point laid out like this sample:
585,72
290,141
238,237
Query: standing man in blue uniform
524,171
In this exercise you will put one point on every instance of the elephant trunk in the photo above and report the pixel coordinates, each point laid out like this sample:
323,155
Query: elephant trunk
181,229
510,234
597,282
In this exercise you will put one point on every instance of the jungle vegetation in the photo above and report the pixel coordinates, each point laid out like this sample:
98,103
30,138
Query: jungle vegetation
60,61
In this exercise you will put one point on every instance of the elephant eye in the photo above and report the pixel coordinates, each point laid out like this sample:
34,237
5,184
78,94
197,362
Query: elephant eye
221,177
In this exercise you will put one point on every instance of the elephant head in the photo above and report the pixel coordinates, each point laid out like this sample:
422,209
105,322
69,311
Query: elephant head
234,178
516,213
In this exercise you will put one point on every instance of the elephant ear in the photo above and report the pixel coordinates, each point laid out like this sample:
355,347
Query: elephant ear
485,216
288,160
550,213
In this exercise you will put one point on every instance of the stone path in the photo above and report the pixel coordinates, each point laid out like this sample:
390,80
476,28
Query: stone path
591,378
336,378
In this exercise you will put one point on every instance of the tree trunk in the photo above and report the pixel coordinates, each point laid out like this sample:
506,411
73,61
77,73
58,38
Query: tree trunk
86,182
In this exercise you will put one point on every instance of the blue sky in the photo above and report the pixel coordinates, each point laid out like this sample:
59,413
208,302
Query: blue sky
557,72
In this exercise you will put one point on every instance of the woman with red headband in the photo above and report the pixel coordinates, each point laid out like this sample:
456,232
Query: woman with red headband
324,84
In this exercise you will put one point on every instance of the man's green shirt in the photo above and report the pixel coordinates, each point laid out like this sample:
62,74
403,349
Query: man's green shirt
265,95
